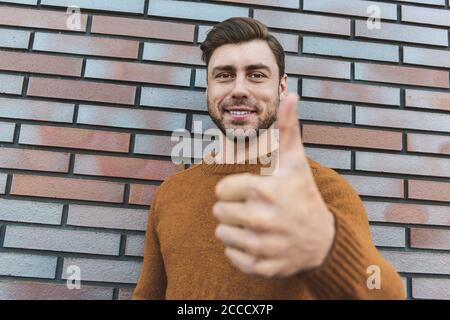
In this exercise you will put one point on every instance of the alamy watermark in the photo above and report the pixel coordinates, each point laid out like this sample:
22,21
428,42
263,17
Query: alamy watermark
252,146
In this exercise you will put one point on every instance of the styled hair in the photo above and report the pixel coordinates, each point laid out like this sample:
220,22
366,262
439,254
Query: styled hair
237,30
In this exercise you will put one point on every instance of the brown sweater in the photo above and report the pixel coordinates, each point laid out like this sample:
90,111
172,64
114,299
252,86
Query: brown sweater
184,260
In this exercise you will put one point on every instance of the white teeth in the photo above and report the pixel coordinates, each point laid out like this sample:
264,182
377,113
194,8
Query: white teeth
239,113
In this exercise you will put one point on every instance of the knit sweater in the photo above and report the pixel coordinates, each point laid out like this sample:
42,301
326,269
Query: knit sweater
184,260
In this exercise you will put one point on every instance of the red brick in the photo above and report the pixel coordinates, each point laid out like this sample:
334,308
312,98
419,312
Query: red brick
428,143
141,194
74,138
66,188
350,92
408,213
318,67
172,53
81,90
18,290
352,137
40,63
124,167
47,19
402,75
125,294
138,72
303,22
428,99
399,163
431,288
376,186
85,45
429,190
26,159
143,28
430,238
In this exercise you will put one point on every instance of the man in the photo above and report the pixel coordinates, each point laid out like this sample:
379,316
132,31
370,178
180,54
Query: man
222,230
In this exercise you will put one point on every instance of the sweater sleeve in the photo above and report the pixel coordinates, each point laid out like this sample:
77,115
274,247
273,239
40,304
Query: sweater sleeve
152,280
352,258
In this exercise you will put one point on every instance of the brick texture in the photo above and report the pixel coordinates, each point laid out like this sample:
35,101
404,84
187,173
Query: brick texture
86,116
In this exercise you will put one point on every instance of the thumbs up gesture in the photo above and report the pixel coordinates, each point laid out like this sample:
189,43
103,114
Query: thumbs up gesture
278,225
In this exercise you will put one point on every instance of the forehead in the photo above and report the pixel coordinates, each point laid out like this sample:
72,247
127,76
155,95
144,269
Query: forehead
242,54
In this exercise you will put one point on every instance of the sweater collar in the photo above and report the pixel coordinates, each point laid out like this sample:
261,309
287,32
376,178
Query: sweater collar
210,166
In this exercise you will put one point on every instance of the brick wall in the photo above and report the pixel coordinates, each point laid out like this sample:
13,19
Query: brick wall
86,116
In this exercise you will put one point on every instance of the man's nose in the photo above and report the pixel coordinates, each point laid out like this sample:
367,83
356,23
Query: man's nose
240,88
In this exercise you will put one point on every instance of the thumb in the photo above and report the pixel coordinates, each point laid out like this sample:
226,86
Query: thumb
291,153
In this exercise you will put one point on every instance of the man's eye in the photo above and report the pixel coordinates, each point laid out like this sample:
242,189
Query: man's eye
223,75
257,75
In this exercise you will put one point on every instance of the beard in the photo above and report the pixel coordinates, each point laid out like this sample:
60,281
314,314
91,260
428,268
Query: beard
265,118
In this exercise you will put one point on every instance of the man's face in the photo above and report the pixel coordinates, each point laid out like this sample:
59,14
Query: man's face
244,87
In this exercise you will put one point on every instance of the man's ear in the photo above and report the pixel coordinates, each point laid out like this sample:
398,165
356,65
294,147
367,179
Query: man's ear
283,87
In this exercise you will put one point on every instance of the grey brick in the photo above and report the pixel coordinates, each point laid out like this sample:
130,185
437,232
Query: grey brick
7,131
303,22
151,144
32,290
332,158
400,32
169,98
2,183
388,236
351,7
107,217
419,262
21,1
133,6
288,41
27,265
128,118
194,10
104,270
11,84
14,38
320,111
30,211
135,245
428,57
36,110
62,240
350,49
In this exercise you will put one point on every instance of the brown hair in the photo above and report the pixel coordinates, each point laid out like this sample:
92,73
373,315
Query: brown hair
238,30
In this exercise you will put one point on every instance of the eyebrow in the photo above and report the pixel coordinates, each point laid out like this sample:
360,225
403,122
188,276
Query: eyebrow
248,67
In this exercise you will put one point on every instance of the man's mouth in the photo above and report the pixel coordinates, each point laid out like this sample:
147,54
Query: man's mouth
240,113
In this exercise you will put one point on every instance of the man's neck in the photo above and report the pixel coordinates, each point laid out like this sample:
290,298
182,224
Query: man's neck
250,151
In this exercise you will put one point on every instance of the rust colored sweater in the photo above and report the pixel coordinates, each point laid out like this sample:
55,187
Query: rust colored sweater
184,260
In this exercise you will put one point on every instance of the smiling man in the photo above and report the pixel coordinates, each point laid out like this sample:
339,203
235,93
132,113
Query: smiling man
221,230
